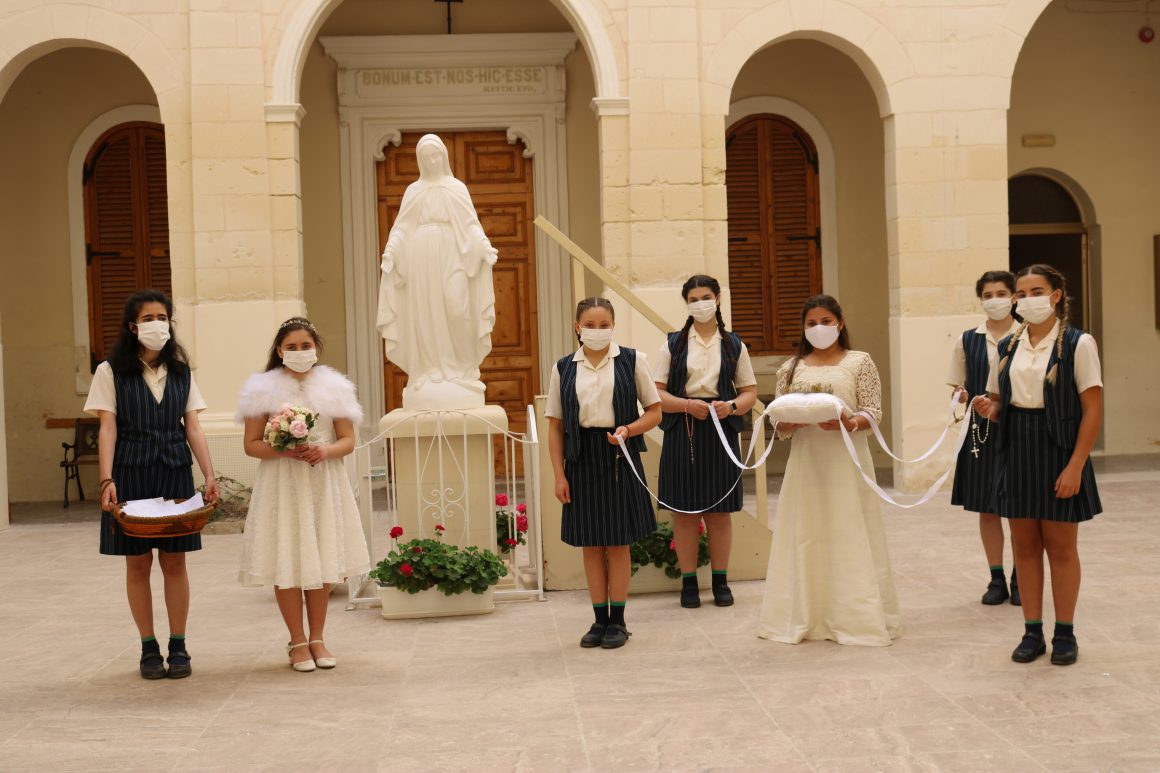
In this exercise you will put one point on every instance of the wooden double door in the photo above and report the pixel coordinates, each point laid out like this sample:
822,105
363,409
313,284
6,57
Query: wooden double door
499,179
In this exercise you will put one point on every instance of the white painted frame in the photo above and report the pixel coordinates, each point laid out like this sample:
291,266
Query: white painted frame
76,227
368,124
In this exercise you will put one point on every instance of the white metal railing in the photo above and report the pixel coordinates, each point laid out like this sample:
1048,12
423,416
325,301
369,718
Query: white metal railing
428,469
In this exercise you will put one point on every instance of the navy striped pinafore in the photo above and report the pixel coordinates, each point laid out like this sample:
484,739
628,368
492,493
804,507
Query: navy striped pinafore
974,485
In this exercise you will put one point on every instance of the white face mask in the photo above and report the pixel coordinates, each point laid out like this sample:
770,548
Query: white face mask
596,338
301,361
153,335
703,311
997,308
822,336
1035,308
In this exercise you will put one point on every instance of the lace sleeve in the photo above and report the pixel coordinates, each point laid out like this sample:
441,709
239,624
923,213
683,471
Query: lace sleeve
869,388
781,388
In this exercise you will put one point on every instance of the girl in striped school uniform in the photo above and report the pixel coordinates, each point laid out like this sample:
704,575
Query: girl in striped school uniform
701,368
593,400
148,402
1045,393
975,353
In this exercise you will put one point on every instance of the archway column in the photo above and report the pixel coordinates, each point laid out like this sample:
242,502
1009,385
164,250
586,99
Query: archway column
946,205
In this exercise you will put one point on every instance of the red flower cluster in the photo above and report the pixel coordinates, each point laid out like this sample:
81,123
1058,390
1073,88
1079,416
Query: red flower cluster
701,527
501,500
416,549
396,532
512,542
672,544
439,527
521,508
406,569
521,522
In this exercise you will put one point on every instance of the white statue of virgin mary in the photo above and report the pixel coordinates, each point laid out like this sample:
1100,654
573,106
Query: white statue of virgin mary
436,301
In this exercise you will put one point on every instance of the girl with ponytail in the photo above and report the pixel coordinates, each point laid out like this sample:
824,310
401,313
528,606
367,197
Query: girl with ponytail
1046,394
701,368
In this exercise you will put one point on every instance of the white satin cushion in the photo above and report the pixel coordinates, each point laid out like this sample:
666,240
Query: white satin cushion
811,408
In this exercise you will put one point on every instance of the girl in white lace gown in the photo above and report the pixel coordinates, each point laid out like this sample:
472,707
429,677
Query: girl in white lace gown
303,531
829,572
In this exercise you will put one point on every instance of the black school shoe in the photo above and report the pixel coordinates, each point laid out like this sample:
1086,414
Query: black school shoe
594,636
690,597
1029,649
152,666
1064,650
722,596
616,635
996,592
179,667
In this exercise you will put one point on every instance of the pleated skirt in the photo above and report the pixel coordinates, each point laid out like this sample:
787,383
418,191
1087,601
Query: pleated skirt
147,483
1028,467
974,485
700,482
609,506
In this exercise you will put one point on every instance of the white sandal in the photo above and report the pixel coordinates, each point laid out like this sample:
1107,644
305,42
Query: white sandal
323,662
304,665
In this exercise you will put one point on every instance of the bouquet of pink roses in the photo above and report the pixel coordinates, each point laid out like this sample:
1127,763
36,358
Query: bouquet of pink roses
289,427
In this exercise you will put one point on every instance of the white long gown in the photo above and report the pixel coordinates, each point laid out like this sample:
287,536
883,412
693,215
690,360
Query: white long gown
829,572
303,528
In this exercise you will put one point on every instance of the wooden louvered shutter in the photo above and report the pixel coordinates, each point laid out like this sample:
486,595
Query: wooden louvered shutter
126,226
774,233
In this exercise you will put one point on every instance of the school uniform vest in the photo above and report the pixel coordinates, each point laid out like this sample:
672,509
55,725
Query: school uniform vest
978,362
149,432
1060,400
679,376
624,399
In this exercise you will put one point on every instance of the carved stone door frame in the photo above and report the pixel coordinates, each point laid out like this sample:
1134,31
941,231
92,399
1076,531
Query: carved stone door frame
391,84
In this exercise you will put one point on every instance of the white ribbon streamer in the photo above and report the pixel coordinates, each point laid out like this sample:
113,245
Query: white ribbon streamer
949,423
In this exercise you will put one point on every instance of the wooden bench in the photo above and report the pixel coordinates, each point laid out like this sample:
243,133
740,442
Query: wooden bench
83,450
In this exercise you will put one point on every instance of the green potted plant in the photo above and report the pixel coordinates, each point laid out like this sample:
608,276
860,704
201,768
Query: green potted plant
656,555
413,571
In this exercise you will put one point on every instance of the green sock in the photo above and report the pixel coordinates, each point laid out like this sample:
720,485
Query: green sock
689,580
176,642
616,612
149,644
997,573
148,639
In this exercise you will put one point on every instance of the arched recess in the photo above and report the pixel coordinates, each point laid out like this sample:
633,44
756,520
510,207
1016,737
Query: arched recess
875,50
76,224
23,40
307,19
827,171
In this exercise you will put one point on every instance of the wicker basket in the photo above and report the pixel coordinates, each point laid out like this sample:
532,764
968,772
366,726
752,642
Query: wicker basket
164,526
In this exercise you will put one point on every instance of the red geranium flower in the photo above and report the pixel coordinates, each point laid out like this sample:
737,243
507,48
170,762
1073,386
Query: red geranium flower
416,549
701,527
439,527
396,532
521,523
512,542
501,500
521,508
406,569
672,544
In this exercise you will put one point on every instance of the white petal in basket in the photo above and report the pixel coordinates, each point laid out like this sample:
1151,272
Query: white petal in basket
806,408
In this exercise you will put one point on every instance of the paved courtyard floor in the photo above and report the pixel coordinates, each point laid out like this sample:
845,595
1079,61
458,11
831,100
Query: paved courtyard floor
693,690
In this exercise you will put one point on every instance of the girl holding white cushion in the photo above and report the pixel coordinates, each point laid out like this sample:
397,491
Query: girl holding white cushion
829,571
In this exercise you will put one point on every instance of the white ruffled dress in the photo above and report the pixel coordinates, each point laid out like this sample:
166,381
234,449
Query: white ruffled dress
303,529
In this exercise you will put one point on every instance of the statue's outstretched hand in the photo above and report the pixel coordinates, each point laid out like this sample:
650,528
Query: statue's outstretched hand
490,254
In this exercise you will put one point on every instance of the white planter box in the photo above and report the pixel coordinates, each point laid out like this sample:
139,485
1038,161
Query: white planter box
399,605
650,579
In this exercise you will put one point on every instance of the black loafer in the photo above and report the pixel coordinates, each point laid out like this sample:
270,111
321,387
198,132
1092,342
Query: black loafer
1029,649
594,636
1016,599
152,666
690,597
179,667
1064,650
616,635
996,593
722,596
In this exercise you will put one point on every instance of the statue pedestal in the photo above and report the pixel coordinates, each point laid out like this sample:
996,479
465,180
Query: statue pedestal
445,472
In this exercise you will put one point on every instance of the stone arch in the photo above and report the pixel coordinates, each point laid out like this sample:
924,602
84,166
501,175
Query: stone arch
27,36
1018,21
307,19
873,48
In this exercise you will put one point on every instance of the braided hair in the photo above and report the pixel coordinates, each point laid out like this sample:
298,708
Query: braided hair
692,283
274,361
1062,310
593,302
830,304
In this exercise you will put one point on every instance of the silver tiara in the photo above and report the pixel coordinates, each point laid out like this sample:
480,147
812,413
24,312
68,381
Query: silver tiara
298,321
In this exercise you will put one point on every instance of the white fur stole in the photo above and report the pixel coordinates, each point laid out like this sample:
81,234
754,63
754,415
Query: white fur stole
324,391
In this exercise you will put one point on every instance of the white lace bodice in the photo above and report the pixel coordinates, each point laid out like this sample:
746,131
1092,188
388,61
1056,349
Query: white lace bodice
854,379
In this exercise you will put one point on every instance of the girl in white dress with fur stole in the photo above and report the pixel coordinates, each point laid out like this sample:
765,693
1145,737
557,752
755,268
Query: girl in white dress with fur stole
303,531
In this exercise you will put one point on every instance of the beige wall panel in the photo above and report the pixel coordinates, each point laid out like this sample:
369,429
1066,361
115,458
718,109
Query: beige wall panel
1086,79
48,106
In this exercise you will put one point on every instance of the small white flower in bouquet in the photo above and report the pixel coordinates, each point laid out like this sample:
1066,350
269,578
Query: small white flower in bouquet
289,427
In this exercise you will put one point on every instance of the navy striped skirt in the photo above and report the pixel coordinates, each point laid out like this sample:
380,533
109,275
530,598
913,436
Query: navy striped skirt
700,482
147,483
1028,467
609,506
974,486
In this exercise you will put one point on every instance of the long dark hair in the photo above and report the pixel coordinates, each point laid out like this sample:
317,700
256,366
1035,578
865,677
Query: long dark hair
125,356
830,304
593,302
274,361
1006,277
692,283
1056,279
